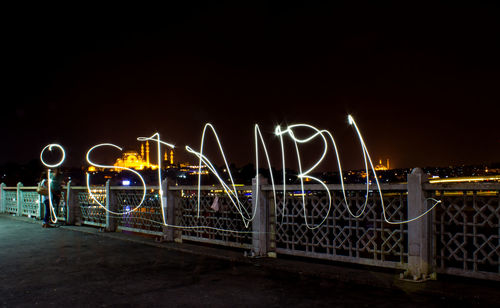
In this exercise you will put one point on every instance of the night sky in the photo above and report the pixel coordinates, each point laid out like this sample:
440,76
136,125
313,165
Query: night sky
421,82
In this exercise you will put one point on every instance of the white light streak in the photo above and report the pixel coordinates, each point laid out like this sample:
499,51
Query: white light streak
49,147
323,134
53,215
118,167
230,189
367,155
156,137
326,137
231,192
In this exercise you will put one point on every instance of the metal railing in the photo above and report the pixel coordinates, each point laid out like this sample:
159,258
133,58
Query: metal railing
466,229
333,233
460,236
217,220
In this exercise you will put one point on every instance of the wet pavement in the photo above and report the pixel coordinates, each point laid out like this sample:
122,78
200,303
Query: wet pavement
81,267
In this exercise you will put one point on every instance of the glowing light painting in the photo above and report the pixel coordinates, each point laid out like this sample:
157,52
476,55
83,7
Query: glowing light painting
111,167
53,215
230,190
159,143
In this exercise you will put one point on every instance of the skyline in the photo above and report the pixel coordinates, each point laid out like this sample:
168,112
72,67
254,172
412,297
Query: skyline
422,84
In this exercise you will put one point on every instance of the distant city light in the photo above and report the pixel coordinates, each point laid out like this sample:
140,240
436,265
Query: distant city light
126,183
465,179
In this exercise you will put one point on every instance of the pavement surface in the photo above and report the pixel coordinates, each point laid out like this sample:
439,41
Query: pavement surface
82,267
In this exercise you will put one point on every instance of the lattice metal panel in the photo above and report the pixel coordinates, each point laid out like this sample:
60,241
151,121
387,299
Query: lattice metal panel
92,213
31,203
10,201
367,239
226,218
467,233
147,217
61,208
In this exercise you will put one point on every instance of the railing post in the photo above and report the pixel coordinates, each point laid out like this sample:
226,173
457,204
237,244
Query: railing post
111,205
419,231
260,224
168,201
72,204
39,209
2,198
19,199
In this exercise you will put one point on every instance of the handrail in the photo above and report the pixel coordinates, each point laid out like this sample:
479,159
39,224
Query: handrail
462,186
267,187
336,187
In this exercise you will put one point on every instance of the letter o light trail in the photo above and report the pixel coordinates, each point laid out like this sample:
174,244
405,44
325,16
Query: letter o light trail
53,216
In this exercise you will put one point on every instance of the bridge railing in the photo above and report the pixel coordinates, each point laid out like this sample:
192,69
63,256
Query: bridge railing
465,231
332,233
213,216
460,236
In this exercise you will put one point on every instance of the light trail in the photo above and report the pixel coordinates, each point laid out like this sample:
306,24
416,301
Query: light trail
306,174
231,189
231,192
118,167
156,138
367,155
325,136
53,215
49,147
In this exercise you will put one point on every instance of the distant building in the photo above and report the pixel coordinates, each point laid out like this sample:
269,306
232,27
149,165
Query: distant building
381,167
133,160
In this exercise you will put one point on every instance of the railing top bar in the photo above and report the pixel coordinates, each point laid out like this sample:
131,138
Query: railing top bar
27,187
85,187
207,187
426,186
462,186
337,187
133,188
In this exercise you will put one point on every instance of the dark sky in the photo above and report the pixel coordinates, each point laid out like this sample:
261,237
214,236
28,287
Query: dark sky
422,82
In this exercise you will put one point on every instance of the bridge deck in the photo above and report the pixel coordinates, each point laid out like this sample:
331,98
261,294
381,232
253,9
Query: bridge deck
80,266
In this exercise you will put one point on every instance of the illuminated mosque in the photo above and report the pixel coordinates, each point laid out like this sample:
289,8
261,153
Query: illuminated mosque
381,167
134,160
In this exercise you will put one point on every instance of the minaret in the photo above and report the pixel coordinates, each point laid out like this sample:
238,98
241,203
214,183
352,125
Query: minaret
166,157
171,157
142,151
147,153
388,167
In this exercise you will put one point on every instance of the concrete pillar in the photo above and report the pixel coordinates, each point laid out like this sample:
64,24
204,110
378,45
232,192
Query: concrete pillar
419,231
39,209
2,198
72,205
19,199
167,210
111,205
169,199
260,224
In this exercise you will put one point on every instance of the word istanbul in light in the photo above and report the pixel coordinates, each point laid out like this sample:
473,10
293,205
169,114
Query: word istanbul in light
326,139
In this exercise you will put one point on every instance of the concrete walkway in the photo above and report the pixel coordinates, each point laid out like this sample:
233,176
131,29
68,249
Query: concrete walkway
79,266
